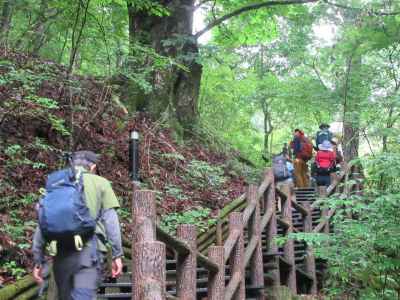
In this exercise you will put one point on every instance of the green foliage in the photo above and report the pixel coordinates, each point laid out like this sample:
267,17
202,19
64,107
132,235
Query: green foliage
125,214
13,269
363,253
45,103
204,174
175,192
173,156
30,198
17,156
26,82
15,228
239,169
199,217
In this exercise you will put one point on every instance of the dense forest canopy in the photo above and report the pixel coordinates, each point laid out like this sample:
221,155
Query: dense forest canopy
261,53
250,73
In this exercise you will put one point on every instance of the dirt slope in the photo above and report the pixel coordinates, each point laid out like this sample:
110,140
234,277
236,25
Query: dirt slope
44,113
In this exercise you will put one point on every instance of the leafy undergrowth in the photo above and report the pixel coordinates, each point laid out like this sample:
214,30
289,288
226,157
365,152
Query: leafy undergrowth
38,104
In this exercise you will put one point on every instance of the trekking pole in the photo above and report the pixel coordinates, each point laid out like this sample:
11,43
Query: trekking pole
134,158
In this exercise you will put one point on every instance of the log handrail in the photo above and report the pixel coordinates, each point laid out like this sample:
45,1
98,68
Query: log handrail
183,249
327,214
233,246
299,207
230,243
233,249
346,171
235,234
248,210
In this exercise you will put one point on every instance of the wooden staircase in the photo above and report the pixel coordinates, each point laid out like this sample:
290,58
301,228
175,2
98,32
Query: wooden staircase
243,259
292,264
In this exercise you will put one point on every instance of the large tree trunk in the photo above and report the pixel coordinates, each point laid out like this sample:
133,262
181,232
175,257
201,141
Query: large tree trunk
351,140
174,89
5,22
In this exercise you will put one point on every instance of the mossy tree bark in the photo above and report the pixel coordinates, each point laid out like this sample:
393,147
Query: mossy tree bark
175,88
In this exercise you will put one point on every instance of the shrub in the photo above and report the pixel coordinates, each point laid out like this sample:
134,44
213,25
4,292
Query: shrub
199,217
204,174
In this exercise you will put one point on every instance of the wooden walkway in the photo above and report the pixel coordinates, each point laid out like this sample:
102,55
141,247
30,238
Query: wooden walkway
236,259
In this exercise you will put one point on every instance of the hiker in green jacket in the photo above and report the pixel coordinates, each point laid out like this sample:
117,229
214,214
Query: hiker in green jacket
77,273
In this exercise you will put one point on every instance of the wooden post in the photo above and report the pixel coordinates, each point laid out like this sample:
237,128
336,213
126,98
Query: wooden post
144,232
218,232
149,269
144,216
269,176
272,232
269,191
288,249
216,282
324,211
237,257
256,261
186,264
310,259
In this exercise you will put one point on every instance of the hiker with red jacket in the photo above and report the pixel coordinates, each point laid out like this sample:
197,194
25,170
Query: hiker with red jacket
302,151
325,163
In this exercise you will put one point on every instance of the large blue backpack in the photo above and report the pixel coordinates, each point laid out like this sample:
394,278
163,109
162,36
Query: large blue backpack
63,214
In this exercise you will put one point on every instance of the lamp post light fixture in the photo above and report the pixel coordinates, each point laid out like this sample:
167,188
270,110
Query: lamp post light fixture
134,156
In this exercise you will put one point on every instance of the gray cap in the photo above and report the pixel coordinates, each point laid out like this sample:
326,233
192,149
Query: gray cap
86,155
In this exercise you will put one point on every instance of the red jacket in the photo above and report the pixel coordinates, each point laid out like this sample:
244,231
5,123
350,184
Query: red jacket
325,159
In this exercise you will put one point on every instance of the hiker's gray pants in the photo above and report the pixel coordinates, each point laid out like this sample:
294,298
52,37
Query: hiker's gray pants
76,276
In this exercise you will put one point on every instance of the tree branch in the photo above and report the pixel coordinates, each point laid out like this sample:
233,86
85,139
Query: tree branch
256,6
370,12
247,8
314,67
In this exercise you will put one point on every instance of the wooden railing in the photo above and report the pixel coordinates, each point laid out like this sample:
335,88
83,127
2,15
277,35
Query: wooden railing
234,244
342,187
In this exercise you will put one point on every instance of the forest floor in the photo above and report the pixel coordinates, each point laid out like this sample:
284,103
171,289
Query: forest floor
39,102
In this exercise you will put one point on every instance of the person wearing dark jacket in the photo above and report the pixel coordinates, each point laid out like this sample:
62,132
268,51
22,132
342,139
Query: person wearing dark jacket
76,272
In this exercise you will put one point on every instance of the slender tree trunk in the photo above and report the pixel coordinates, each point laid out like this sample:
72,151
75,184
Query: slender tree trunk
118,56
389,125
268,128
5,22
60,56
38,32
79,26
